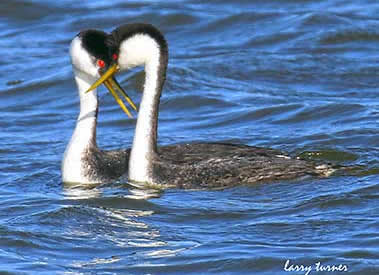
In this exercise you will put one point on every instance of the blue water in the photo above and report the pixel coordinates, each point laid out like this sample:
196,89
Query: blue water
299,76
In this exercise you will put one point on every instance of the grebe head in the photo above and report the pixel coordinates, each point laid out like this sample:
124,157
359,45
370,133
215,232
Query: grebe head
133,45
92,58
89,54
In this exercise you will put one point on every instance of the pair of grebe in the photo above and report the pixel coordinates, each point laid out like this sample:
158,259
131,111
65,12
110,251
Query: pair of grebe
96,57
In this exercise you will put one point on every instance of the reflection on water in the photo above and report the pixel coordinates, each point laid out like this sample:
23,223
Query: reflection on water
300,76
80,191
85,191
95,261
121,225
128,228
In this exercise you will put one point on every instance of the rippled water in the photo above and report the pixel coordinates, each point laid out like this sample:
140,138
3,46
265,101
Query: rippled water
299,76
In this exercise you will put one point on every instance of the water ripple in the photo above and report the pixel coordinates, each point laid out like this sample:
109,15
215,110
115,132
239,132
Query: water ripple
299,75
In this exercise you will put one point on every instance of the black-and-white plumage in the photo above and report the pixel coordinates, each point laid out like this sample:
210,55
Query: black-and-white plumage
188,165
83,161
199,165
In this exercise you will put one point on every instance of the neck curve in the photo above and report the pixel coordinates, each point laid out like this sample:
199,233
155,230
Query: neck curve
84,136
144,147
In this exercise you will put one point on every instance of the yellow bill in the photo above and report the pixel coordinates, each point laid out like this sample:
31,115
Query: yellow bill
118,99
109,81
115,83
109,73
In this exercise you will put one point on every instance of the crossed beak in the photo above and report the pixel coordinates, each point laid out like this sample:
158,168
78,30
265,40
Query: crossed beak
112,85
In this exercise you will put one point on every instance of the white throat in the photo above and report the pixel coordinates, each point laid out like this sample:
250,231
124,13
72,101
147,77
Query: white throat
84,135
143,50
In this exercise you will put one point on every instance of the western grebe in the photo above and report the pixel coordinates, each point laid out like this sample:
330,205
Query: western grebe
83,161
195,165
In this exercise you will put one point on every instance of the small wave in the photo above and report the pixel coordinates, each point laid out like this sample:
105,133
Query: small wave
240,18
323,19
349,36
21,10
328,112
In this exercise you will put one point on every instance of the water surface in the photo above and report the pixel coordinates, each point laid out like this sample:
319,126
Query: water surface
299,76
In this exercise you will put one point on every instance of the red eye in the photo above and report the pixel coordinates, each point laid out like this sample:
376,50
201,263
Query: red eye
114,56
100,63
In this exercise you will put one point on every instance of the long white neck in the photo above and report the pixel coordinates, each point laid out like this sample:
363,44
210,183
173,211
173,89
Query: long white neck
145,137
84,136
